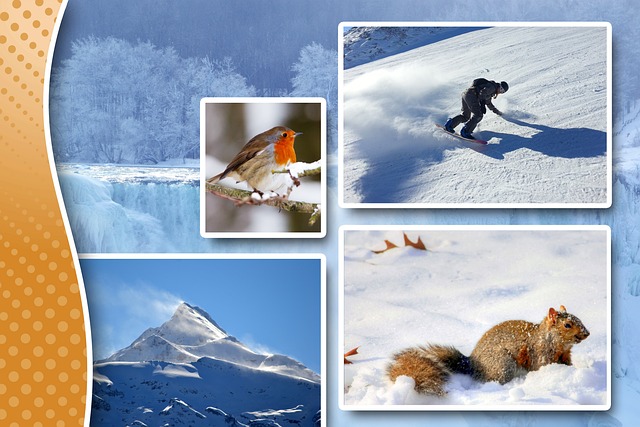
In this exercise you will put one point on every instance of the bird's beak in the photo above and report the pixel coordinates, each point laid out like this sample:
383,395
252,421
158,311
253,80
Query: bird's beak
297,134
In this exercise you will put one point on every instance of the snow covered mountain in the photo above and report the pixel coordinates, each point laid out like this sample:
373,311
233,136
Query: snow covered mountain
190,371
191,334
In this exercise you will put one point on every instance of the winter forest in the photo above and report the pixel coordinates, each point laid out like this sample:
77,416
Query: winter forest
114,101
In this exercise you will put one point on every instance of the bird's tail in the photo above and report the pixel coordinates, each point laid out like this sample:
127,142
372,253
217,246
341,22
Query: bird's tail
215,179
430,367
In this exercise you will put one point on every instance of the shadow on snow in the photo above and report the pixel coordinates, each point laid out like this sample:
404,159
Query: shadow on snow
570,143
388,176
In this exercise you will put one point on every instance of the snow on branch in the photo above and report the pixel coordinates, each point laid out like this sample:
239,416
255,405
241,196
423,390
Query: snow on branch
295,171
301,169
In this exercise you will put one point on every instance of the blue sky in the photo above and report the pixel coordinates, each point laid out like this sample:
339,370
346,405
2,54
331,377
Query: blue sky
271,305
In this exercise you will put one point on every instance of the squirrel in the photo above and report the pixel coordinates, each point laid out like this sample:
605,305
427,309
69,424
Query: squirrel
506,351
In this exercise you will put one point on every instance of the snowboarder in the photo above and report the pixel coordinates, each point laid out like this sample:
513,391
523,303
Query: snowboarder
475,100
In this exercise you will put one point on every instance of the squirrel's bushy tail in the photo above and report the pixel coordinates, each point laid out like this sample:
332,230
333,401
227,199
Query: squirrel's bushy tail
430,366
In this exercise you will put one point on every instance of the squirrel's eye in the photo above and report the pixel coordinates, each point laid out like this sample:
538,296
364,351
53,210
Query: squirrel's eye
567,325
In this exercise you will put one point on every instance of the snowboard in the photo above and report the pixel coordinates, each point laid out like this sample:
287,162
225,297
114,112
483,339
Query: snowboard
477,141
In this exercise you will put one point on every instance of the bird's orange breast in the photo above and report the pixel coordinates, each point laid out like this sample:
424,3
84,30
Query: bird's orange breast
284,151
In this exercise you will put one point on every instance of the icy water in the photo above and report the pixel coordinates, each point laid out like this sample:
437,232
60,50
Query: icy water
132,208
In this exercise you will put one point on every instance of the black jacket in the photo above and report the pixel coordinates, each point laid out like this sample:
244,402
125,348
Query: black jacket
486,91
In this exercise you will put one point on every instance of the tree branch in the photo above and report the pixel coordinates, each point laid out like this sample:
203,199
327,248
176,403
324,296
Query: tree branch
244,197
302,173
295,171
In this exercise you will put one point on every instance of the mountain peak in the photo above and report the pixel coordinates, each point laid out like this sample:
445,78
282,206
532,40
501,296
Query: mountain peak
189,334
190,325
195,316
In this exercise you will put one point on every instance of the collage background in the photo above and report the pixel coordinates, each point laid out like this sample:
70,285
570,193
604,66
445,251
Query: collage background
43,351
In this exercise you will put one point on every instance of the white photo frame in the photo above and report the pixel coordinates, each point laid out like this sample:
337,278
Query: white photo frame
390,154
469,279
257,114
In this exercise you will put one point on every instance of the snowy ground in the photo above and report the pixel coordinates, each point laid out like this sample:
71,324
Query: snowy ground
550,147
468,281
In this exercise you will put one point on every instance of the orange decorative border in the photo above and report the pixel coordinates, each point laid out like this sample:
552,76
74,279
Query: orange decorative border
44,346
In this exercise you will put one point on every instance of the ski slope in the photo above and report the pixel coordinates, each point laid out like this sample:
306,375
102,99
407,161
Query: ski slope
549,147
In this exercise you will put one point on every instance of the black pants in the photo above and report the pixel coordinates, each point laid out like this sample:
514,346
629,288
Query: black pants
470,105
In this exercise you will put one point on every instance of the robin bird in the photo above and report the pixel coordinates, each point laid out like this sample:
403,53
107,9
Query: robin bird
267,152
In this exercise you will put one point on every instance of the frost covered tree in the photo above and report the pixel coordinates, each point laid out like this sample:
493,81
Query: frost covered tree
316,74
116,102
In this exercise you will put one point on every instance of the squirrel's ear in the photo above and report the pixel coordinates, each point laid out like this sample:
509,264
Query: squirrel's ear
553,315
563,309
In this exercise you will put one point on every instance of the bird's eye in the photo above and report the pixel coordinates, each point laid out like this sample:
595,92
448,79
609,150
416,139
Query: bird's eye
284,134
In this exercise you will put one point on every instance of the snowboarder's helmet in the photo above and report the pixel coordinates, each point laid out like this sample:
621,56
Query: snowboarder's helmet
505,86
